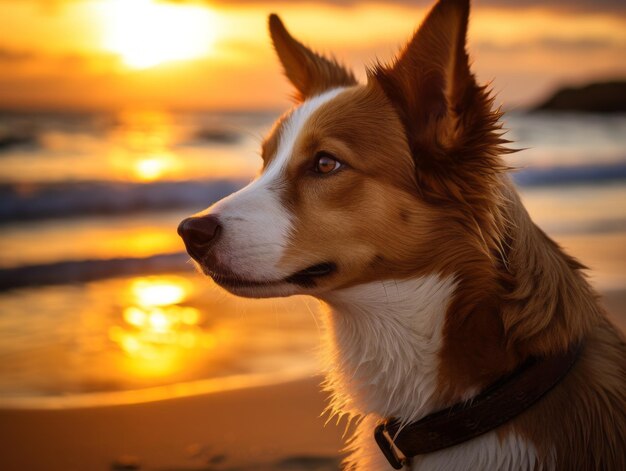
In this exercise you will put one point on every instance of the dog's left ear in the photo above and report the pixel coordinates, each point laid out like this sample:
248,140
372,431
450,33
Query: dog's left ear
430,83
454,136
308,71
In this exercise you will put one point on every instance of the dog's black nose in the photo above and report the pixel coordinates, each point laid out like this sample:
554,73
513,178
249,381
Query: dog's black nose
199,233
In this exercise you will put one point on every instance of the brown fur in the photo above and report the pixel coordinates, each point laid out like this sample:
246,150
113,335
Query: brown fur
581,424
309,72
423,192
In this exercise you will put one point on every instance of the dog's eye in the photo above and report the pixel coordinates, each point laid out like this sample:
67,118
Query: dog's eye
326,163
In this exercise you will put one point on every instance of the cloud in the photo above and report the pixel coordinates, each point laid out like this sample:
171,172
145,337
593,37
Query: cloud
554,44
8,55
14,59
578,44
612,6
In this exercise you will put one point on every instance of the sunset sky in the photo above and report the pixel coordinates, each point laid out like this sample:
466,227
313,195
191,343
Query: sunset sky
84,54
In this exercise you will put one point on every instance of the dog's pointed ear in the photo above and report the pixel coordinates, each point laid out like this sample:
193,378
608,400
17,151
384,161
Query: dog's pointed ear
309,72
430,81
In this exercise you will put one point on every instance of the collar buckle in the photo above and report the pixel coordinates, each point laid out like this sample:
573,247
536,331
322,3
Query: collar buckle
386,445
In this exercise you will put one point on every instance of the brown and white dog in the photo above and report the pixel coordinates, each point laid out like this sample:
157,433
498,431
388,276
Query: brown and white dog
389,201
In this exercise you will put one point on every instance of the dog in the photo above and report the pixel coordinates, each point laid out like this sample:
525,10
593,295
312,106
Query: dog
455,325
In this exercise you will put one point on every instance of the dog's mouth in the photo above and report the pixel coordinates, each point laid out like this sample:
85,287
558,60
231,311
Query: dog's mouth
305,278
308,276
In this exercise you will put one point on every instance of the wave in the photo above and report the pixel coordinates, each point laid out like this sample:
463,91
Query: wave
80,271
10,140
42,201
571,175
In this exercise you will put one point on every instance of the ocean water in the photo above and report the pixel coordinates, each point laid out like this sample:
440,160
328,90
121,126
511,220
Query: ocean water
97,295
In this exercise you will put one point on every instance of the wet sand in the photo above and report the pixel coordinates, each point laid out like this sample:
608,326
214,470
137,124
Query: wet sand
271,427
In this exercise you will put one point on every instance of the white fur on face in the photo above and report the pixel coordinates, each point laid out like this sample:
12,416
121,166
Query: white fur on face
256,225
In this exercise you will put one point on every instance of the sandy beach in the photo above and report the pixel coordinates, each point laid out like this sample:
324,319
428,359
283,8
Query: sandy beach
276,427
272,427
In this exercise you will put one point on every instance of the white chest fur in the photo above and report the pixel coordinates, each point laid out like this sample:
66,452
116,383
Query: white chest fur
384,340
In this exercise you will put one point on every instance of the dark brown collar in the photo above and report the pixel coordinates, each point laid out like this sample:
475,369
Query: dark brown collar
501,402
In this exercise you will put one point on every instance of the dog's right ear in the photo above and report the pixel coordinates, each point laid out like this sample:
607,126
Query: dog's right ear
308,71
430,82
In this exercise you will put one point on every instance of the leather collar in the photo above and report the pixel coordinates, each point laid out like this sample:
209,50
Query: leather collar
499,403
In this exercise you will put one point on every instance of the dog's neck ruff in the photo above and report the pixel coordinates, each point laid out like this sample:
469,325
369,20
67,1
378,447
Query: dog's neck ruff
501,402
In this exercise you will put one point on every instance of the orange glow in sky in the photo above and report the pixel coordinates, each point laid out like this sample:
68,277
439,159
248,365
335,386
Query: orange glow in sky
202,55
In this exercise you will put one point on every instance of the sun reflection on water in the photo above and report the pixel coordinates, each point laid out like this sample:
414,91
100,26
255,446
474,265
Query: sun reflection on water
153,167
143,146
150,292
158,331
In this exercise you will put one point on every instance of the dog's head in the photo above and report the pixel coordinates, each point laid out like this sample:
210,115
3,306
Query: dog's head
362,181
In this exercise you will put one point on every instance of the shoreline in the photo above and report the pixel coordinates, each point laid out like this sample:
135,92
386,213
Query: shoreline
614,301
148,395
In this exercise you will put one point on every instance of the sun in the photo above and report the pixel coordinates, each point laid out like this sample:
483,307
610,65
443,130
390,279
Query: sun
146,33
